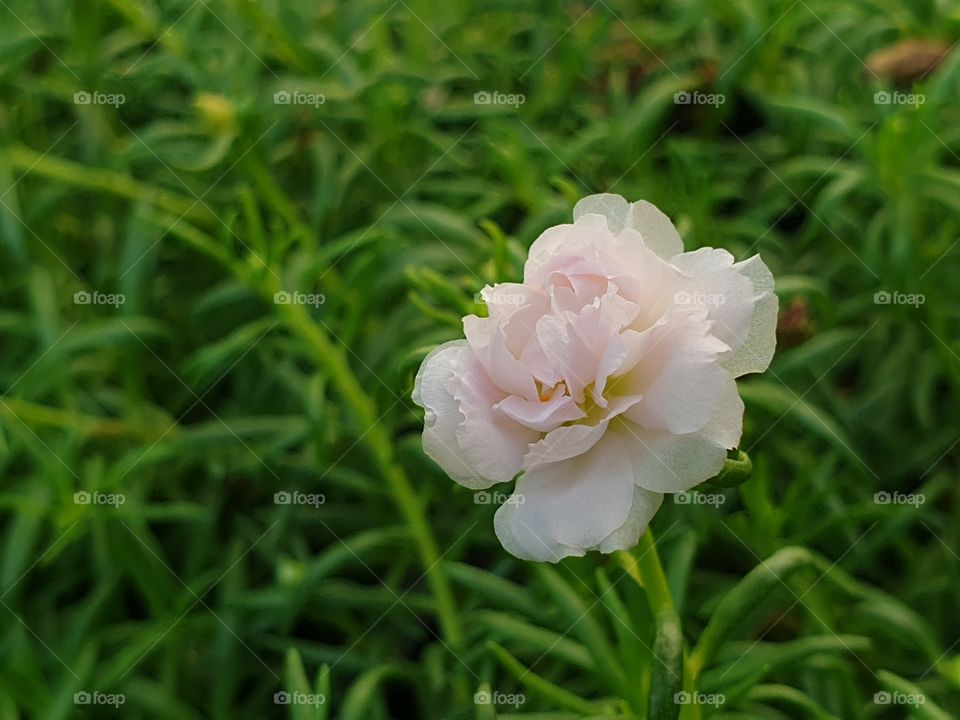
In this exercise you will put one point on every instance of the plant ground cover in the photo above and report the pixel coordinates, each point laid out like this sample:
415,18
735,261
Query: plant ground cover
230,231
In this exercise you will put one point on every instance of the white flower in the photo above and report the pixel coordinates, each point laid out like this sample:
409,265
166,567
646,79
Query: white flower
606,378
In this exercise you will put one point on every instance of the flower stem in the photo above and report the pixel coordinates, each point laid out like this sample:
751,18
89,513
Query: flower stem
644,566
654,580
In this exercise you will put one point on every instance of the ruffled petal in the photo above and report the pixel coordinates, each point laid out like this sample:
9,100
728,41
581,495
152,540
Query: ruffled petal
474,444
542,416
489,343
562,444
678,375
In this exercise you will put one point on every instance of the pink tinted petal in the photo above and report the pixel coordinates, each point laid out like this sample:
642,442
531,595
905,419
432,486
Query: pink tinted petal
490,442
541,416
562,444
566,353
489,343
516,309
581,248
475,444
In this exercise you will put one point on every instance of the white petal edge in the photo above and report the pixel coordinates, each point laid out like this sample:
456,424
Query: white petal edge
644,506
656,228
613,207
756,352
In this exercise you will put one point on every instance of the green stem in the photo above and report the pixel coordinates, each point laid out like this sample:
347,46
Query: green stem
653,578
645,568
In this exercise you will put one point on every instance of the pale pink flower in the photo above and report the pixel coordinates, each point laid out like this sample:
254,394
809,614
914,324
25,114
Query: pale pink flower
606,378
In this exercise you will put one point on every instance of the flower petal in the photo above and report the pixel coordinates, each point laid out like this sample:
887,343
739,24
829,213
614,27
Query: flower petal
656,228
562,444
613,207
677,374
756,352
738,298
474,445
668,463
569,506
541,416
644,506
489,342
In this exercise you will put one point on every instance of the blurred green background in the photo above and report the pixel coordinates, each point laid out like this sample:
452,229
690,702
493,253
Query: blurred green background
211,495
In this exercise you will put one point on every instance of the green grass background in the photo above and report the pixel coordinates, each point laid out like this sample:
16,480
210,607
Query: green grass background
397,199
